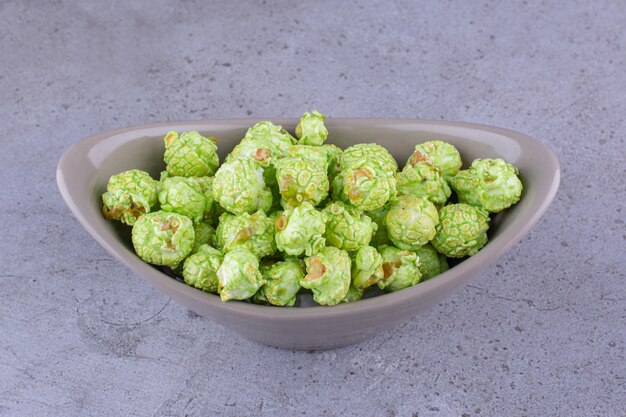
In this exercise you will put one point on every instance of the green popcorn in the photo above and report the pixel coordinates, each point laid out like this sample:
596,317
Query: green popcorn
190,154
462,230
238,275
333,157
129,195
204,234
311,130
352,295
328,275
347,227
432,263
367,268
239,187
301,180
200,269
442,155
367,178
300,230
264,143
423,180
381,236
275,136
411,221
364,154
183,196
491,184
254,232
163,238
282,282
400,269
206,185
315,153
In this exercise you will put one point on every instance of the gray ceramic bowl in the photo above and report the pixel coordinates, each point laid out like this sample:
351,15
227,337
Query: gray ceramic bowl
84,169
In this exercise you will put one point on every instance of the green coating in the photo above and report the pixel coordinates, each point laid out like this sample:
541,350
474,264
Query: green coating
311,130
367,178
301,180
183,196
400,269
238,275
190,154
204,234
491,184
328,275
300,230
462,230
282,282
200,269
411,221
333,157
423,180
129,195
381,236
315,153
254,232
206,185
163,238
264,144
239,187
347,227
367,268
442,155
432,263
352,295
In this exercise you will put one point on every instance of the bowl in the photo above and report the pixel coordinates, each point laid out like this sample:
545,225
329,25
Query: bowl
85,168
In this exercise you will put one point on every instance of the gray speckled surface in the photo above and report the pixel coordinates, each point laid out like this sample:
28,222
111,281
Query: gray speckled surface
541,333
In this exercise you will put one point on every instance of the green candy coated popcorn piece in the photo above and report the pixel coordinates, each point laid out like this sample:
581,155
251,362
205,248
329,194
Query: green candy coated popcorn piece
163,238
301,180
282,282
328,275
206,185
347,227
300,230
238,275
442,155
129,195
254,232
411,221
204,234
491,184
367,178
190,154
315,153
200,269
432,263
423,180
380,237
264,143
400,269
311,130
462,230
333,157
367,268
239,187
352,295
183,196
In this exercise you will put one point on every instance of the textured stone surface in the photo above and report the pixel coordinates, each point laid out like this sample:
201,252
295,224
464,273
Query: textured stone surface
540,333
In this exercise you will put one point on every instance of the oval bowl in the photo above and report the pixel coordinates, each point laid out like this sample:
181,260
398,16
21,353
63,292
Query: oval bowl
85,168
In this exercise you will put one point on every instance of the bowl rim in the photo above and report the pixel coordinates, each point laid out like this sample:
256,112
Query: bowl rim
178,289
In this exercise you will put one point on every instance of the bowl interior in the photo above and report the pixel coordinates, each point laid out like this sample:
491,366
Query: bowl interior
85,168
